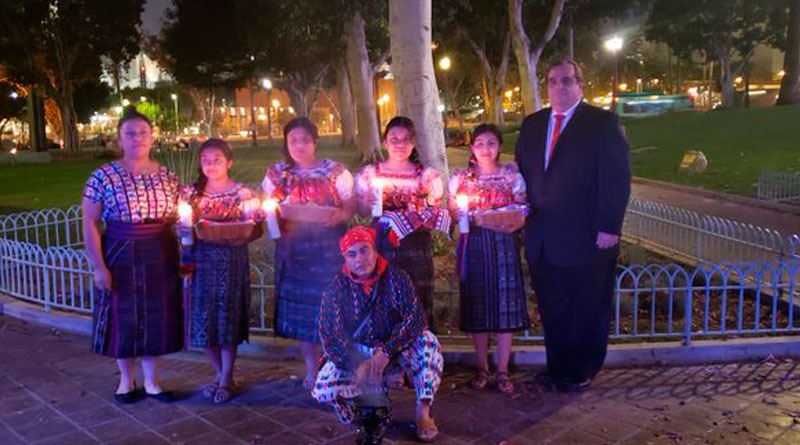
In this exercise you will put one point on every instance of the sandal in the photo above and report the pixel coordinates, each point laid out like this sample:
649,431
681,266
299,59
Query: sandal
427,431
223,394
480,380
209,390
504,384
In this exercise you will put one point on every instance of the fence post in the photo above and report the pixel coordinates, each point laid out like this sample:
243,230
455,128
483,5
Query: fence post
687,315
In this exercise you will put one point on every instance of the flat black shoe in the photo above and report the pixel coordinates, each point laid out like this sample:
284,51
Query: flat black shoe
129,397
163,396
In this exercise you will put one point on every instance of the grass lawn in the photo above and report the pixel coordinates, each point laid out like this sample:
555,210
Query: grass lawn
25,187
738,144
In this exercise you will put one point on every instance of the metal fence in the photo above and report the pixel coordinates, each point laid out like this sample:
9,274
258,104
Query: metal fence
753,292
695,238
779,186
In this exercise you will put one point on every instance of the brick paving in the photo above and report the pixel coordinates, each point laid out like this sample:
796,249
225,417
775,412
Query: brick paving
53,390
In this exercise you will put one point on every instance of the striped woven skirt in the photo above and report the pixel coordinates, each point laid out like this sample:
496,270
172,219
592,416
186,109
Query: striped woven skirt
142,315
492,289
306,259
415,256
220,304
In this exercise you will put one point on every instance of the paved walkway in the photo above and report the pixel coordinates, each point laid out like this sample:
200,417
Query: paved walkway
52,390
785,218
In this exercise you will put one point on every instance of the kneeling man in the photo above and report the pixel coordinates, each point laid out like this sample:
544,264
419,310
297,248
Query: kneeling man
371,319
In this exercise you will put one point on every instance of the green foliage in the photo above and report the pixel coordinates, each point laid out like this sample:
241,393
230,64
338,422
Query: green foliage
57,46
184,163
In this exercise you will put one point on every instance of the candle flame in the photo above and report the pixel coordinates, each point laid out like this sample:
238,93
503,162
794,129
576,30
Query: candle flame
462,201
378,183
184,210
269,205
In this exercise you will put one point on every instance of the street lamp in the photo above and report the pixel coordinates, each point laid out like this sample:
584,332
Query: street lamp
613,45
267,85
177,125
444,65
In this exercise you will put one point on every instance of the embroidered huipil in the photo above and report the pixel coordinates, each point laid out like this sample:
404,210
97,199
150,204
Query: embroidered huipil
222,206
133,197
488,192
327,184
395,322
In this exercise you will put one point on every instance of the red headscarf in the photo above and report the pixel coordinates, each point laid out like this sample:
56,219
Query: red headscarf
357,234
362,234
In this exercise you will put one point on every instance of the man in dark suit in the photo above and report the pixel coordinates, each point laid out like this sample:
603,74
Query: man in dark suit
574,158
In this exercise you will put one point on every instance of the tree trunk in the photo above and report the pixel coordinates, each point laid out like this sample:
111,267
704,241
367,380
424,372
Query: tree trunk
299,101
790,85
415,82
347,108
726,79
69,122
211,101
360,70
527,58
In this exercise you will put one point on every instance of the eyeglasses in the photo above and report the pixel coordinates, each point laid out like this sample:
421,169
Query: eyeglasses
567,81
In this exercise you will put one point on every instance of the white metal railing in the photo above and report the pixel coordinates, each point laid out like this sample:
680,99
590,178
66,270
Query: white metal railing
779,186
748,274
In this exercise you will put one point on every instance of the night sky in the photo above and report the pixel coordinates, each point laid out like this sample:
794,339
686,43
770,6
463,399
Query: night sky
153,11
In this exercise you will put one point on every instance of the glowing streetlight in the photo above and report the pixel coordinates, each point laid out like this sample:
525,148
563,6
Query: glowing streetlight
445,63
614,45
125,102
174,98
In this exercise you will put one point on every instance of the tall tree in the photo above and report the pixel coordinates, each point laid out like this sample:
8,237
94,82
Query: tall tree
480,26
364,29
12,104
790,84
207,45
726,34
528,53
56,45
415,82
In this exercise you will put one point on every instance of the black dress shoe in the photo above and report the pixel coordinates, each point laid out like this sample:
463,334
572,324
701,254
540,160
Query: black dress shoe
129,397
163,396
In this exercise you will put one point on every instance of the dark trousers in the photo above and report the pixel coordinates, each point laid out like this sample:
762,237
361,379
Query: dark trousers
575,306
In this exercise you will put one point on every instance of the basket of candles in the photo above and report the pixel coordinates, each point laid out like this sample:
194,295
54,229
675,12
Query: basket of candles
307,212
504,219
224,231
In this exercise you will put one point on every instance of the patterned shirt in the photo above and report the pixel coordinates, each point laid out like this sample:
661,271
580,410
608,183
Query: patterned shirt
327,184
223,206
413,191
395,322
133,197
487,192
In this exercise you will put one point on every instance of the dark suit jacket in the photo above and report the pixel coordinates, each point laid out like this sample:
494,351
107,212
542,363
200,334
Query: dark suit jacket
584,190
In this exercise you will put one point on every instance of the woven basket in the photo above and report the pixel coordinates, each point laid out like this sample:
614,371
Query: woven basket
499,220
307,213
218,231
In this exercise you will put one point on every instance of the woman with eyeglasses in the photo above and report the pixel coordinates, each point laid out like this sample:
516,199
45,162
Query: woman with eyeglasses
404,197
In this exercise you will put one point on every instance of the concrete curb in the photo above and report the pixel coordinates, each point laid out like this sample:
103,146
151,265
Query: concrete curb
701,352
743,200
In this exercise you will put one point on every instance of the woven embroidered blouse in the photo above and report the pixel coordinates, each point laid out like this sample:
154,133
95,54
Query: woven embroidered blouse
133,197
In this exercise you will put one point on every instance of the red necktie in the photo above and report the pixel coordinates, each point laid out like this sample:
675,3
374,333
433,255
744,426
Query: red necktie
554,137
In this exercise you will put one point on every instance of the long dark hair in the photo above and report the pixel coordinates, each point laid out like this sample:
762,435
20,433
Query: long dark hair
408,124
211,144
298,122
479,130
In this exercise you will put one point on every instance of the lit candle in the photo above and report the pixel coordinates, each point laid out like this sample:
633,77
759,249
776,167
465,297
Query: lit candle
462,201
185,220
377,190
249,206
270,206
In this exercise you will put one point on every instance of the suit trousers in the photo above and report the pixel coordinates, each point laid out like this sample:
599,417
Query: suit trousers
575,307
